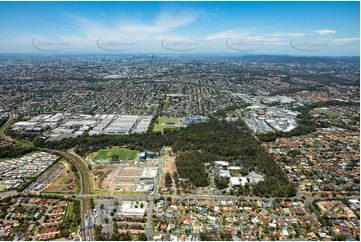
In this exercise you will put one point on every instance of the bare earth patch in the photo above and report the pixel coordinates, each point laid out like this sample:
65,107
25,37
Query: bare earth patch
99,177
66,183
169,166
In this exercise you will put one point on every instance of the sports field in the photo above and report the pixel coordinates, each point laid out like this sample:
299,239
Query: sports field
154,106
327,112
123,154
162,124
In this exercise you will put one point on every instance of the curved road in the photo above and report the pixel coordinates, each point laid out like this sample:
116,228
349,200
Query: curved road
82,168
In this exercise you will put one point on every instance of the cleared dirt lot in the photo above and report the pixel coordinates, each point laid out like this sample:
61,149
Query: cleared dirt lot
125,177
66,183
99,177
169,166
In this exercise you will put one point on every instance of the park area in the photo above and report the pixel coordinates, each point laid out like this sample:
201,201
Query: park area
166,123
105,155
327,112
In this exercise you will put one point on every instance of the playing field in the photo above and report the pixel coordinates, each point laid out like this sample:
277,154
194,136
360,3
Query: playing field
327,112
123,154
154,106
162,124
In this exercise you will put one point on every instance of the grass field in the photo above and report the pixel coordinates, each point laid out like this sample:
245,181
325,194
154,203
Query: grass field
123,154
154,106
2,187
69,216
327,112
160,124
69,210
26,142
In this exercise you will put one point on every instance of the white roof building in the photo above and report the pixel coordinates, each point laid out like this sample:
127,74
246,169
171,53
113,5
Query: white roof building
243,181
221,163
129,208
285,99
224,173
254,177
234,168
234,181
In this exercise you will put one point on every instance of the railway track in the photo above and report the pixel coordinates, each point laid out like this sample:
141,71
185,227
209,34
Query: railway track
79,164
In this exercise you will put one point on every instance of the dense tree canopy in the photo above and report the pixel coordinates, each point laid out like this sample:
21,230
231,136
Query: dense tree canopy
191,165
14,152
195,145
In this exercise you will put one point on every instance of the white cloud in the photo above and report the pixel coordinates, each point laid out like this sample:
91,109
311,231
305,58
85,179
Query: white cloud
234,33
170,21
287,35
346,40
163,24
325,31
249,34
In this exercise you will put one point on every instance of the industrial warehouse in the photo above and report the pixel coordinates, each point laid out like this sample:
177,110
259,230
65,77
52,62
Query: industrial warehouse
65,125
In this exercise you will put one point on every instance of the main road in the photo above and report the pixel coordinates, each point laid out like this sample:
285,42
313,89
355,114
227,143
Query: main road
79,164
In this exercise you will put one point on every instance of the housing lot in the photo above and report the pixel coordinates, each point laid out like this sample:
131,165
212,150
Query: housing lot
36,218
15,172
127,177
58,179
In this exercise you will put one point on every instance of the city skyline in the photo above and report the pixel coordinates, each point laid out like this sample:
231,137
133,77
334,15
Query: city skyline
293,28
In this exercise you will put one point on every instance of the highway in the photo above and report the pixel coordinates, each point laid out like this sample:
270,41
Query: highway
79,164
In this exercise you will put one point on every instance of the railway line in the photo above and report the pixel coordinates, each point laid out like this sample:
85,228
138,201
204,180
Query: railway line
79,164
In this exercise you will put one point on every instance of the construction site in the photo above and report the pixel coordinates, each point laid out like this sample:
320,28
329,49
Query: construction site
128,177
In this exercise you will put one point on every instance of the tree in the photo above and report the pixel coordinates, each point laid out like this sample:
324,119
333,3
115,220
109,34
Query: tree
142,237
206,236
125,236
115,235
221,182
168,180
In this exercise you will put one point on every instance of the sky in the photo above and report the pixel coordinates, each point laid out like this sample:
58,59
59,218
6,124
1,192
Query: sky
293,28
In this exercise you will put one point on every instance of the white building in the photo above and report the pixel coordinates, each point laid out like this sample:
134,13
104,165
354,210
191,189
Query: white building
224,173
234,181
221,163
255,177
